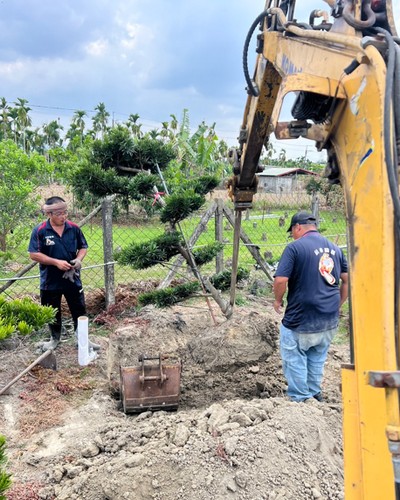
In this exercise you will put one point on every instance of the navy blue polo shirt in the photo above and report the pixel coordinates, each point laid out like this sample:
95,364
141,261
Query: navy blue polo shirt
47,241
313,265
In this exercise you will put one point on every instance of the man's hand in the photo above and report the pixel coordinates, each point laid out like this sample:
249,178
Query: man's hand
76,264
70,275
278,304
63,265
280,285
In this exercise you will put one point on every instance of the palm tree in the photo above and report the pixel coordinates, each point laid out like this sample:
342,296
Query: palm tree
173,127
23,118
38,141
164,131
29,141
79,121
13,115
174,123
96,126
153,134
4,118
100,119
72,135
133,126
51,133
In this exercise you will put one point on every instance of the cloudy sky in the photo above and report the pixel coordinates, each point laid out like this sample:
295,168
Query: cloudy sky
151,57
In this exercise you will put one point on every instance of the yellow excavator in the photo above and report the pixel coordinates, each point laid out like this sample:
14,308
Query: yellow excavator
342,65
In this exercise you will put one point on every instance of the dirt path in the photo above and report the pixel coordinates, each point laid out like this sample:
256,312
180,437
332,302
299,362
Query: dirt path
233,436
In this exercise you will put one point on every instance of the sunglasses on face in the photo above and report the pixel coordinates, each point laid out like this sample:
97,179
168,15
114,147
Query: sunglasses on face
60,214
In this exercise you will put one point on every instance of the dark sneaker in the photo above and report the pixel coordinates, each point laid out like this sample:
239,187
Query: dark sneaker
319,397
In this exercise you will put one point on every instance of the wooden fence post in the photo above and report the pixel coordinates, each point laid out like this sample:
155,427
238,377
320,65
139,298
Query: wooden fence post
253,249
109,282
201,226
219,234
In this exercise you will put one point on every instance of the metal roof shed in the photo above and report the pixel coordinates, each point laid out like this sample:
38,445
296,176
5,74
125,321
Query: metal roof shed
281,180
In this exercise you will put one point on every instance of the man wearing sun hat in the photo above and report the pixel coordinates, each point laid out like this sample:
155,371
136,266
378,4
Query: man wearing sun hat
313,272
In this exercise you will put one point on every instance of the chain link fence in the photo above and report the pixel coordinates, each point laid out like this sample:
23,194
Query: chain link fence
264,236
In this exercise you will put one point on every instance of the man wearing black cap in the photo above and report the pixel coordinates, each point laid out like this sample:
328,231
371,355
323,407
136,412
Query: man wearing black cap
314,272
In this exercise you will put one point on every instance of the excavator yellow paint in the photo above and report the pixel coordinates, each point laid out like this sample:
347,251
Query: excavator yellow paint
296,59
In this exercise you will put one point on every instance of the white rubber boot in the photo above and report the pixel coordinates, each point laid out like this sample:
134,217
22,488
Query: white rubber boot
52,343
95,347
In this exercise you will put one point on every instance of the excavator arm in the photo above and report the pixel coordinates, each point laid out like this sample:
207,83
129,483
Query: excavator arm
346,79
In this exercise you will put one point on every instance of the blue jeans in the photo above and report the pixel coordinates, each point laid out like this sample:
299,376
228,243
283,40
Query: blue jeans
303,359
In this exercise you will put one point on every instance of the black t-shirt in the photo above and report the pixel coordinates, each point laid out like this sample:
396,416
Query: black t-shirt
313,265
45,240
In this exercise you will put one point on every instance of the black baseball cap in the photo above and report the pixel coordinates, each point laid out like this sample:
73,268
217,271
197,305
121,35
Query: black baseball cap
302,217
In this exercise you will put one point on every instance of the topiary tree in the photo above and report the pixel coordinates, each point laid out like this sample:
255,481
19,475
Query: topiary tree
175,208
132,168
123,165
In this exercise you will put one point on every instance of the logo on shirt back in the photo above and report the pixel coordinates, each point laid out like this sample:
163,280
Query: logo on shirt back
325,267
49,241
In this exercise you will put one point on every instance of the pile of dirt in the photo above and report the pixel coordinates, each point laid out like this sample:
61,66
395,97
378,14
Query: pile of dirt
258,449
234,435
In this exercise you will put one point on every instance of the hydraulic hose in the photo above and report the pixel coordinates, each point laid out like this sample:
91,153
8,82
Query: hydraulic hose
389,144
396,147
396,96
355,23
391,163
251,87
391,156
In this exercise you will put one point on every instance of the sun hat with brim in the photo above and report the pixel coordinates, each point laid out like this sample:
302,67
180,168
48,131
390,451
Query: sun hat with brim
302,218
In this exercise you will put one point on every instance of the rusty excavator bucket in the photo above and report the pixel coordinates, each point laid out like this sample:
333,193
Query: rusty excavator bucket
151,386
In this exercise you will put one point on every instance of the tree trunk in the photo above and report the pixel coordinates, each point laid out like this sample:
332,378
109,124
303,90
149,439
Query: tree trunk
3,242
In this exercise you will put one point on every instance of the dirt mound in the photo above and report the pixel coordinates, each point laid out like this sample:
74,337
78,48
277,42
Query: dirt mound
235,359
259,449
233,436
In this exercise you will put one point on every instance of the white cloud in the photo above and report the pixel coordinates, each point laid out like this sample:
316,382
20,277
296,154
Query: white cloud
97,48
12,71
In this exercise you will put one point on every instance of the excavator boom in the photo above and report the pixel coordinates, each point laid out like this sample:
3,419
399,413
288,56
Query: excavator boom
345,76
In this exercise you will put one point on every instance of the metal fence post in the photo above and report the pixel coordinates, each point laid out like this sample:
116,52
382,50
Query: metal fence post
107,209
315,206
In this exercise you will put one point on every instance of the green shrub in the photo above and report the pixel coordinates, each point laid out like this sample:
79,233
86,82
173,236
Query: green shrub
222,280
6,329
5,478
169,296
23,316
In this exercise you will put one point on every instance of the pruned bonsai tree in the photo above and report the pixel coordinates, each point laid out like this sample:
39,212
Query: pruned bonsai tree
132,168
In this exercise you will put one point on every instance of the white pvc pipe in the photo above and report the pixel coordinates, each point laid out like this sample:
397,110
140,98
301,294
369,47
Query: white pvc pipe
85,356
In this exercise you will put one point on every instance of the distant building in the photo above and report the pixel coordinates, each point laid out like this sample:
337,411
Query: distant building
279,180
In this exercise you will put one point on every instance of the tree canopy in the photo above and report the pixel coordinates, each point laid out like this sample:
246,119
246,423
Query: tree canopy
20,174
